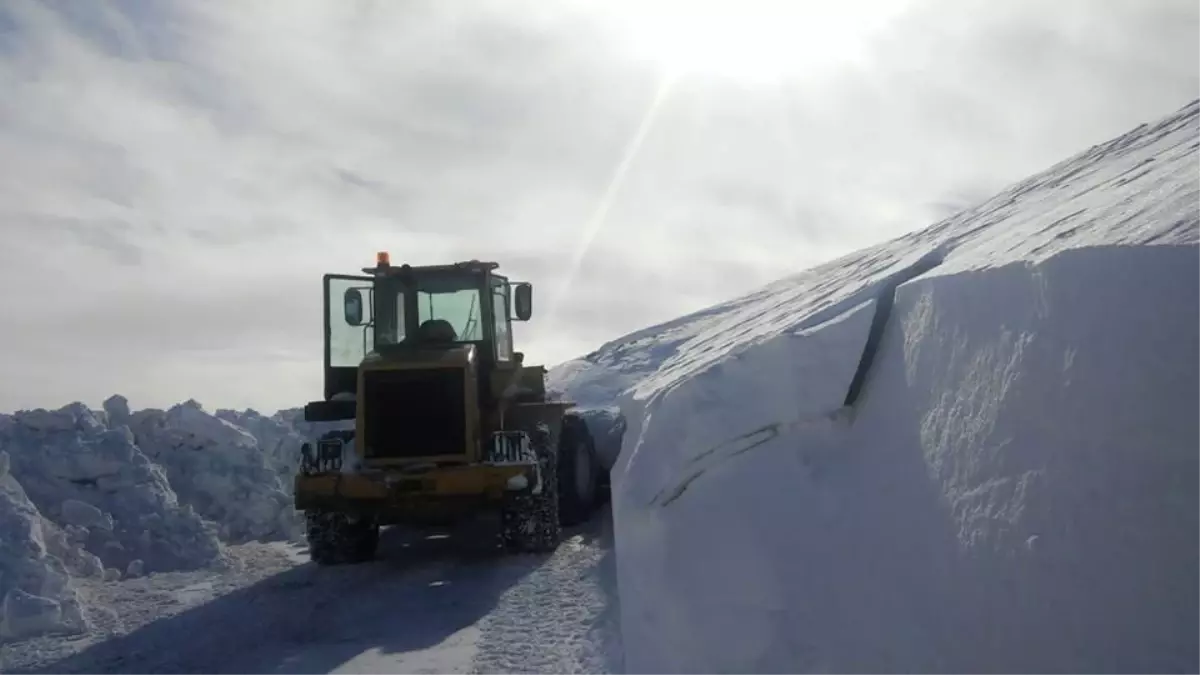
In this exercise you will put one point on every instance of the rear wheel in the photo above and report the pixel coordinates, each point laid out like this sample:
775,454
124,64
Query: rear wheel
579,471
336,538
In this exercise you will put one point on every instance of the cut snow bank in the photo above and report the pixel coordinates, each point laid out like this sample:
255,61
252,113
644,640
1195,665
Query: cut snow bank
1013,489
591,390
1016,492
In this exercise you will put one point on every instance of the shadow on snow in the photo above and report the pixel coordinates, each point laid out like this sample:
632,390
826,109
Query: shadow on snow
415,594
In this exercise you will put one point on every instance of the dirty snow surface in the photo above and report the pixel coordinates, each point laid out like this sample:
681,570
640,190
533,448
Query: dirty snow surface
973,448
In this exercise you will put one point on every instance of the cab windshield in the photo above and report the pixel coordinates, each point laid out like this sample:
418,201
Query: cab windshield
448,310
458,307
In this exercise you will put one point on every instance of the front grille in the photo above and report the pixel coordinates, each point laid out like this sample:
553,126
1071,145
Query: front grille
413,413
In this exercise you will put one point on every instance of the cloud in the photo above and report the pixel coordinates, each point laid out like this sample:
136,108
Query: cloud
179,175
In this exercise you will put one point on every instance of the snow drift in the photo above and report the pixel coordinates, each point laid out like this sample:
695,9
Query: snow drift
970,449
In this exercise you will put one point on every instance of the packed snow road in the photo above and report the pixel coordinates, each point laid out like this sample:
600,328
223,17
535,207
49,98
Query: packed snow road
426,604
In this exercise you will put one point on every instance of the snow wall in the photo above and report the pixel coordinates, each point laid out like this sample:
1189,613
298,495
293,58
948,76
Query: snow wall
1015,491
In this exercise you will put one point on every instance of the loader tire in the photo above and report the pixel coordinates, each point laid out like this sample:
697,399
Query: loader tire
578,471
529,522
335,539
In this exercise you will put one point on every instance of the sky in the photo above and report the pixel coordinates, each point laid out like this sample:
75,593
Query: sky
177,176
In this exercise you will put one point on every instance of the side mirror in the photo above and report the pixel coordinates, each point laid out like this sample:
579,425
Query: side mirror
352,306
523,301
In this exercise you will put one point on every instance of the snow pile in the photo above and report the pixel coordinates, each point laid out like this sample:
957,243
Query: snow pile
35,592
103,489
115,493
280,436
218,470
973,448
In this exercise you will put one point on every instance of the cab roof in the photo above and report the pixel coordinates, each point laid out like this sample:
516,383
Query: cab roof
383,267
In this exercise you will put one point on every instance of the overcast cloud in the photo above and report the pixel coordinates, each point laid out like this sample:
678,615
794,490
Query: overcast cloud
176,176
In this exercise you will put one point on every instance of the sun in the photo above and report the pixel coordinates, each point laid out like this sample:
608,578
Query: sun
748,40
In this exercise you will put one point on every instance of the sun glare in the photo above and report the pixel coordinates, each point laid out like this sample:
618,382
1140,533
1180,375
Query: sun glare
750,40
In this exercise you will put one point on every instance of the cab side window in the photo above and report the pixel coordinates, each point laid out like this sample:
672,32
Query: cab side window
347,344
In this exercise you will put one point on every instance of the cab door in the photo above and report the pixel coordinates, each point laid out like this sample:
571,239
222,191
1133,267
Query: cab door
347,340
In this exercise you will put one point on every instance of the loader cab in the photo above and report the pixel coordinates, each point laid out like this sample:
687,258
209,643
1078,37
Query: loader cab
394,311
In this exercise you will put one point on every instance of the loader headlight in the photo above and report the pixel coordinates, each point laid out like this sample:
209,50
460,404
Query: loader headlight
330,449
325,456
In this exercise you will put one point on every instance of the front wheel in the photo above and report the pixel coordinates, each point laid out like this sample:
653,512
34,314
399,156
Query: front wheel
334,538
530,522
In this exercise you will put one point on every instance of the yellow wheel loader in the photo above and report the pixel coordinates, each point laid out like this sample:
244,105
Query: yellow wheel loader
449,422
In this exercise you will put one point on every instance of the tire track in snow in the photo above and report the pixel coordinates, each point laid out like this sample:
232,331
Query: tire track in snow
561,618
